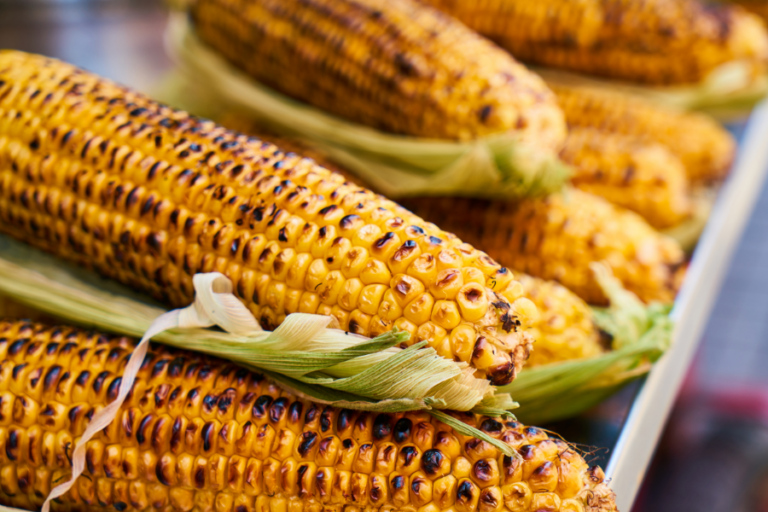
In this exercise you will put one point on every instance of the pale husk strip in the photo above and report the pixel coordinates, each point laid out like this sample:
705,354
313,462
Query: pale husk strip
730,91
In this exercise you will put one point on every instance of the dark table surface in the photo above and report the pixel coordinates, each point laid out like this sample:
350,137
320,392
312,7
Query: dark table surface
123,40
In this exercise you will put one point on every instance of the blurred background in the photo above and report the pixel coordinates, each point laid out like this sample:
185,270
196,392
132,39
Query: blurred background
714,453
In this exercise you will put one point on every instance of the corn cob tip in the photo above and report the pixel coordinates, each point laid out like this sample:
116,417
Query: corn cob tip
199,432
150,196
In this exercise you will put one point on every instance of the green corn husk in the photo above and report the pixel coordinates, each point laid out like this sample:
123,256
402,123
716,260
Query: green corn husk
641,334
397,166
302,355
728,93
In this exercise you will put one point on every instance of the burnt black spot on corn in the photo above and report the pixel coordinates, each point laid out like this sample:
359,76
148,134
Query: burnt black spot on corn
403,71
371,276
653,41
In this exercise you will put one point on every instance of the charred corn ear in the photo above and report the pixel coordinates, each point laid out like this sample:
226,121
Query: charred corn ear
398,66
561,312
151,196
653,41
197,432
642,176
566,329
705,148
557,238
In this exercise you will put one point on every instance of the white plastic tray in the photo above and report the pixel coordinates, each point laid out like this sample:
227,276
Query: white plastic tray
648,414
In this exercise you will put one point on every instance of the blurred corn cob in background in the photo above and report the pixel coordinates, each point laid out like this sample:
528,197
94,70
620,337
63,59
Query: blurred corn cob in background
559,236
642,176
398,66
658,42
705,148
200,432
150,196
566,329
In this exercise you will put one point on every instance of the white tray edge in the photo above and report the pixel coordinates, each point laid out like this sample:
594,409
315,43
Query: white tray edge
653,403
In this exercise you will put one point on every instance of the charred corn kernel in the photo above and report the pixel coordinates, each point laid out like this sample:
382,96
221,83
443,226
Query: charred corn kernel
655,41
565,329
642,176
425,65
473,301
704,147
105,177
558,237
303,457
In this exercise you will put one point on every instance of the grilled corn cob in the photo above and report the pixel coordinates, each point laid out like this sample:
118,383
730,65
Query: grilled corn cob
653,41
150,196
197,433
705,148
642,176
398,66
559,236
566,329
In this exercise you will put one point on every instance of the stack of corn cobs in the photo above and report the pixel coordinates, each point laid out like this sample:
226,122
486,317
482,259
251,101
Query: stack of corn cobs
150,196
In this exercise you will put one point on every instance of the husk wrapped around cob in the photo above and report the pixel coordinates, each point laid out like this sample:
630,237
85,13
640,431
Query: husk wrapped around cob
151,196
500,164
581,354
